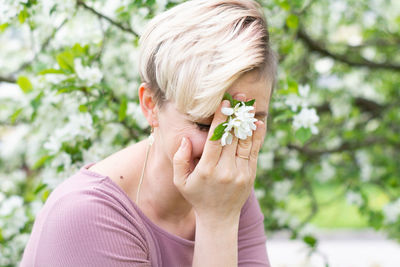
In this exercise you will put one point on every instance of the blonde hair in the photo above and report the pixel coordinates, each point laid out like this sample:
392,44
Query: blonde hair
192,53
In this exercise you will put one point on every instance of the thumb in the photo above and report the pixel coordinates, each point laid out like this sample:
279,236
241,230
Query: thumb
181,162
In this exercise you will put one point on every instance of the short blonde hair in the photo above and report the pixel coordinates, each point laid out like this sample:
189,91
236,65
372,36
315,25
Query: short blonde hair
192,53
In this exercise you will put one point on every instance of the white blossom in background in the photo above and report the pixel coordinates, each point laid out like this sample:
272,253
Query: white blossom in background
83,29
350,34
14,223
295,101
135,112
80,125
307,118
35,206
307,230
391,211
96,152
364,162
329,82
61,159
266,160
138,22
9,9
259,193
91,75
281,189
281,216
12,145
11,204
292,162
341,106
354,198
324,65
327,171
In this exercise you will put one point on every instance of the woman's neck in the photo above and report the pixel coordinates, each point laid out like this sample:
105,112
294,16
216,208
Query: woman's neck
158,195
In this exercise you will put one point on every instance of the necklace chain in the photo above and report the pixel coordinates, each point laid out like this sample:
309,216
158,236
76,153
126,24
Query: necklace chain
151,141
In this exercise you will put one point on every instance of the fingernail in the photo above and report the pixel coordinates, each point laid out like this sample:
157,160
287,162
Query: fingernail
226,103
241,97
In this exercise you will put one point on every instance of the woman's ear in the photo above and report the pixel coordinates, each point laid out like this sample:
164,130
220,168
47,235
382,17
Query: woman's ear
148,105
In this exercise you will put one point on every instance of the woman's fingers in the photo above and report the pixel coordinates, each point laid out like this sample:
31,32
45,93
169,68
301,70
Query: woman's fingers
257,140
229,151
212,149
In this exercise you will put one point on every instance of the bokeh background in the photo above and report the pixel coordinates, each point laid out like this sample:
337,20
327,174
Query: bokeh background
330,165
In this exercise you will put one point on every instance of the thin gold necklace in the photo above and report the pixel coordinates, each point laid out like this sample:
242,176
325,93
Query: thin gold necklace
151,141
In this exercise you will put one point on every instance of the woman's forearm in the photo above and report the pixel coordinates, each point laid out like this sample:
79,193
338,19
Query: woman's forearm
216,244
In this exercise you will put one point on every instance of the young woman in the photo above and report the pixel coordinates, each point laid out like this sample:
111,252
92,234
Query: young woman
176,198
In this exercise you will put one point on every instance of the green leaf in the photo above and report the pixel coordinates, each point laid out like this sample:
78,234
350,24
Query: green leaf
24,84
310,240
218,132
83,108
303,134
122,108
292,21
66,60
45,195
23,15
3,27
250,102
41,162
228,97
15,115
39,188
79,51
51,71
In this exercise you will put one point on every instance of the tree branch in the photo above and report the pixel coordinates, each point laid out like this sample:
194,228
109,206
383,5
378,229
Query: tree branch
7,79
346,146
365,105
11,78
113,22
42,47
321,49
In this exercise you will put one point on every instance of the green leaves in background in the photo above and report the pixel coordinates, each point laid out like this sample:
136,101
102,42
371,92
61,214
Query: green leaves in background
24,84
303,134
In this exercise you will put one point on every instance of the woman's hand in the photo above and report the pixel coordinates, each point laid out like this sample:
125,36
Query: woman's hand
222,181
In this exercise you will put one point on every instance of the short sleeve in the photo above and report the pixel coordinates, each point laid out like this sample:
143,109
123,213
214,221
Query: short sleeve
85,229
252,251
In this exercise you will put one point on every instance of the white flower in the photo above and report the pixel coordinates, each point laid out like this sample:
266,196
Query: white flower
304,90
266,160
392,211
364,163
90,75
241,120
327,171
10,204
226,138
307,118
281,216
354,198
281,189
293,101
293,163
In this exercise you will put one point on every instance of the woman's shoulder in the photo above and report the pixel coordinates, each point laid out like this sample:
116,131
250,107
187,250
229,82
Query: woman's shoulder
86,217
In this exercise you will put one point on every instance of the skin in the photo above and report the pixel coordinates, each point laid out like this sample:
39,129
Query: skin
201,184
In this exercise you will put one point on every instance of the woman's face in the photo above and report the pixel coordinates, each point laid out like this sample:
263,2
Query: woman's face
173,125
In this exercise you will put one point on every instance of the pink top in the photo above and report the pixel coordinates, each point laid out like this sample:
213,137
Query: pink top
88,220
